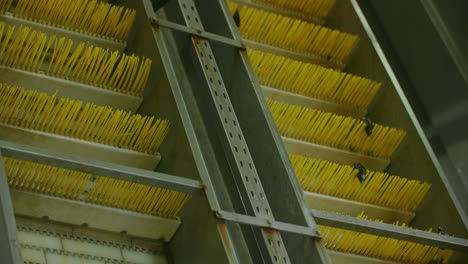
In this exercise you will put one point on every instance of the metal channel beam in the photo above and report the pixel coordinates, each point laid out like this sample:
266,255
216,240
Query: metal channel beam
213,153
9,245
254,196
100,168
390,231
230,244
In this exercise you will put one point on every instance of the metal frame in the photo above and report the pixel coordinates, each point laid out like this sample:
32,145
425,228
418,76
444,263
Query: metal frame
390,231
196,32
101,168
242,159
9,245
266,223
229,195
428,164
180,78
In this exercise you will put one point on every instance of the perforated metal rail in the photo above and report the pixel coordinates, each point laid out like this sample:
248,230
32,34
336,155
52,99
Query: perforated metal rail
234,134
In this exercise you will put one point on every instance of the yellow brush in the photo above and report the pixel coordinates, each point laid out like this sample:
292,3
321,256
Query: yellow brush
26,49
314,8
38,111
295,35
382,247
324,177
335,131
312,80
232,6
40,178
85,16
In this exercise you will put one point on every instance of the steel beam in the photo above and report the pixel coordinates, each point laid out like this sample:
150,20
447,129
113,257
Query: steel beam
9,245
100,168
390,231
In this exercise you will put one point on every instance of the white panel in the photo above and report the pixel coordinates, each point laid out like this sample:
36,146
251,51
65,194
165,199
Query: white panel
142,257
54,258
35,256
83,247
39,240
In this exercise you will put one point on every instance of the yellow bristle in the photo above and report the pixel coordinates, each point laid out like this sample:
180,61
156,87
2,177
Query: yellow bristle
324,177
137,197
26,49
314,8
85,16
312,80
382,247
38,111
335,131
5,6
295,35
232,7
40,178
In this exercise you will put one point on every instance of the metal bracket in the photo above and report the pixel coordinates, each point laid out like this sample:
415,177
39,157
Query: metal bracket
195,32
362,172
266,223
369,125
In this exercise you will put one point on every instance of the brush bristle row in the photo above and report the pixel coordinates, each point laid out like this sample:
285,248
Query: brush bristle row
39,178
38,111
382,247
318,9
312,80
5,6
26,49
335,131
324,177
85,16
136,197
45,179
295,35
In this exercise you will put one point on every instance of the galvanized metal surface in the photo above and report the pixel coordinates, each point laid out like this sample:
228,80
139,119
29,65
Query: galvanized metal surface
415,158
9,245
195,32
197,215
266,223
241,158
442,113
